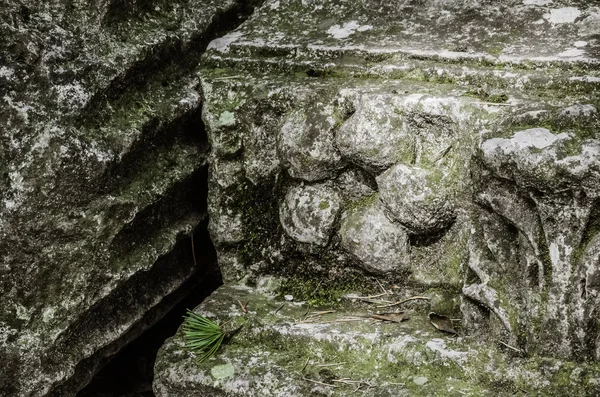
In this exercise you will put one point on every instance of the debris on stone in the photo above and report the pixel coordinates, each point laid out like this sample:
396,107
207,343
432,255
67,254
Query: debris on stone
313,316
276,353
397,317
202,336
244,307
406,300
383,303
441,322
517,350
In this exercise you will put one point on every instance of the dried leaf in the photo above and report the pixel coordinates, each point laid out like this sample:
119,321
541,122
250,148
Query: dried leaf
442,322
391,317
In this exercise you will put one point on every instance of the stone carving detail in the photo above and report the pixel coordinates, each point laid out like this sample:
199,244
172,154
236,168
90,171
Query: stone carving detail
308,212
380,244
392,165
306,143
416,198
375,135
534,252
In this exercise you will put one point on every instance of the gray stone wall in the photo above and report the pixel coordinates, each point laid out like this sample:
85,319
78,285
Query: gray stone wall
102,151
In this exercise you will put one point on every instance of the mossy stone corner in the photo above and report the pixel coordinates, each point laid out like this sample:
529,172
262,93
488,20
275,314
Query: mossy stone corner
395,148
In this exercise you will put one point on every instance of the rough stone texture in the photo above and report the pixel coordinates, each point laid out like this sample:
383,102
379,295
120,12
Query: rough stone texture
549,162
451,148
379,244
491,109
308,212
540,214
233,191
306,143
282,352
496,129
254,219
375,135
101,160
416,198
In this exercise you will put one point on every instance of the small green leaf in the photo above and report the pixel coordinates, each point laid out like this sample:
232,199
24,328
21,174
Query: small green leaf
222,371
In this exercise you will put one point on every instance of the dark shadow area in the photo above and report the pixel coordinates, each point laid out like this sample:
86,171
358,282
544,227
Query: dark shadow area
131,371
425,240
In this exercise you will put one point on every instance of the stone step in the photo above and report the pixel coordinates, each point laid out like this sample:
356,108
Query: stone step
423,30
150,203
285,349
145,260
539,79
422,41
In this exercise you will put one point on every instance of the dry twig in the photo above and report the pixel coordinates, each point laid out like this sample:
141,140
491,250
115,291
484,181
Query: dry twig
316,289
244,307
369,299
372,296
406,300
319,383
313,316
193,250
358,383
511,347
346,319
495,103
385,291
279,308
305,364
329,365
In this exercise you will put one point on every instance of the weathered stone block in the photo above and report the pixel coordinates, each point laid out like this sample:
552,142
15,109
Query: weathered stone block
549,198
476,161
306,143
279,353
101,157
375,135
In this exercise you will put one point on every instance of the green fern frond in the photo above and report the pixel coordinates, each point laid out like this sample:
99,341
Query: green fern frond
202,336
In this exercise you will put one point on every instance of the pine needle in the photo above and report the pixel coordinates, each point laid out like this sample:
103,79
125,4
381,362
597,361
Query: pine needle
202,336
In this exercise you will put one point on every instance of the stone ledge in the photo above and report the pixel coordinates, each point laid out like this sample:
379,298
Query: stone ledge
514,32
281,353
